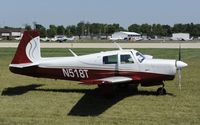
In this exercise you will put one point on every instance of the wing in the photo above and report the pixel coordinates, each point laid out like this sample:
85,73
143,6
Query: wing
108,80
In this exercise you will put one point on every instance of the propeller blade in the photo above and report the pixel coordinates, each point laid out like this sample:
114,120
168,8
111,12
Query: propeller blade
179,52
179,78
180,65
179,68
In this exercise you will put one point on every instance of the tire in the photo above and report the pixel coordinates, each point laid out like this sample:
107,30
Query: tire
161,91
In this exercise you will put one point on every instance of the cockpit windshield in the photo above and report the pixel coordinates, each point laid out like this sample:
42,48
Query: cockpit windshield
140,57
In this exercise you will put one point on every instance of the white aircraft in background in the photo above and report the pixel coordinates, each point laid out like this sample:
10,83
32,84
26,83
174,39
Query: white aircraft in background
18,38
45,39
70,38
115,38
62,38
108,69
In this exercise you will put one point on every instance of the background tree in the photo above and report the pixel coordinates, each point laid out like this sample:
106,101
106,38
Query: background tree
71,30
41,29
87,29
52,31
60,30
28,27
145,29
179,28
167,30
80,28
134,28
96,29
195,30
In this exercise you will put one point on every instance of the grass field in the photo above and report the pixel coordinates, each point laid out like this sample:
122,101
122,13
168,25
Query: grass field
26,100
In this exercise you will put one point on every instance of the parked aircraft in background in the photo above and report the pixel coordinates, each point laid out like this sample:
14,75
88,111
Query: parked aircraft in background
18,38
116,38
59,38
70,38
126,38
108,69
46,39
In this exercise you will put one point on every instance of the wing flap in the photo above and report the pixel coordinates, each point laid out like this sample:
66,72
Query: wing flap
108,80
116,79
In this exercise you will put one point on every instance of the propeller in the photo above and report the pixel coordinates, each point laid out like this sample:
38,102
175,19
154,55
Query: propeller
179,69
179,52
180,64
179,78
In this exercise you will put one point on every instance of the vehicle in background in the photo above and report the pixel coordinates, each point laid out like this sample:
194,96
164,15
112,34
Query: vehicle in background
181,36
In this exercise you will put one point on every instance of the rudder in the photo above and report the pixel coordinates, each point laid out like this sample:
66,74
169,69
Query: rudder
28,50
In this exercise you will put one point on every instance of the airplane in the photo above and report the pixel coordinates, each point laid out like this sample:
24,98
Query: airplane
116,38
62,38
18,38
45,39
70,38
126,38
107,70
59,38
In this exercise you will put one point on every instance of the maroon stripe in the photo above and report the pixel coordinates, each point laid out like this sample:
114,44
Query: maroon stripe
56,73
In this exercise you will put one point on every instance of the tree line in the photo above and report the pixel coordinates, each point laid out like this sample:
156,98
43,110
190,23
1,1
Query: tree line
99,29
165,30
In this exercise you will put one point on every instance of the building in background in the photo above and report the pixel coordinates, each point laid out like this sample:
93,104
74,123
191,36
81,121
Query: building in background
132,36
11,33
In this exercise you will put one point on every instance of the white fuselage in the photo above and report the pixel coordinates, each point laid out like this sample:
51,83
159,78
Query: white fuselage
95,61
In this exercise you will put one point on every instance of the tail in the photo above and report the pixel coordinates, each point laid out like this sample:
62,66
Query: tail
28,50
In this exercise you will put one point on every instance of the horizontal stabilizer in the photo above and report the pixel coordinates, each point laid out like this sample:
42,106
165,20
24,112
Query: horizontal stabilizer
23,65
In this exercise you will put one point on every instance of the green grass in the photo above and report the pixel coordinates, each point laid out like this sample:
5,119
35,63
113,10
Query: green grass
25,100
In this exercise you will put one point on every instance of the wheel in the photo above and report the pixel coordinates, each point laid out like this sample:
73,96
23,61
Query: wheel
161,91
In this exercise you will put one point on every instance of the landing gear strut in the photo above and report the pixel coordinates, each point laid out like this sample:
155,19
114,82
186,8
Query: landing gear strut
161,90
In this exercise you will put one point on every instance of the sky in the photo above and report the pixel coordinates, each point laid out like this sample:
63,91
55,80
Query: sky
18,13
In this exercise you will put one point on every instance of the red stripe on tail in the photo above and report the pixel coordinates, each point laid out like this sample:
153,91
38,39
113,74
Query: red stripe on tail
20,55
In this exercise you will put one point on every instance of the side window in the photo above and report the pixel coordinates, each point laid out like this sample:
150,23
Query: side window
140,57
110,59
126,59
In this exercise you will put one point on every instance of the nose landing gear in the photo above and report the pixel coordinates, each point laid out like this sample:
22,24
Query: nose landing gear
161,90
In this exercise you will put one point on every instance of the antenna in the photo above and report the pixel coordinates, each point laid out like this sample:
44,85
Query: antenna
73,53
120,48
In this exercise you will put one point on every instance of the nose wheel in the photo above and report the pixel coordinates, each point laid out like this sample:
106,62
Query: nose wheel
161,90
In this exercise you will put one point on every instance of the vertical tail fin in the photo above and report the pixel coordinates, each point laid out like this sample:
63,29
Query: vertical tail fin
28,50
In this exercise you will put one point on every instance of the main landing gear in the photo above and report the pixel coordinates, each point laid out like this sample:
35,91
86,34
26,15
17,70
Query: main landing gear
161,90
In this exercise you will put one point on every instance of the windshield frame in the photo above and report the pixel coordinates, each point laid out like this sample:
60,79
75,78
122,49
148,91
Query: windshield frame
140,57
